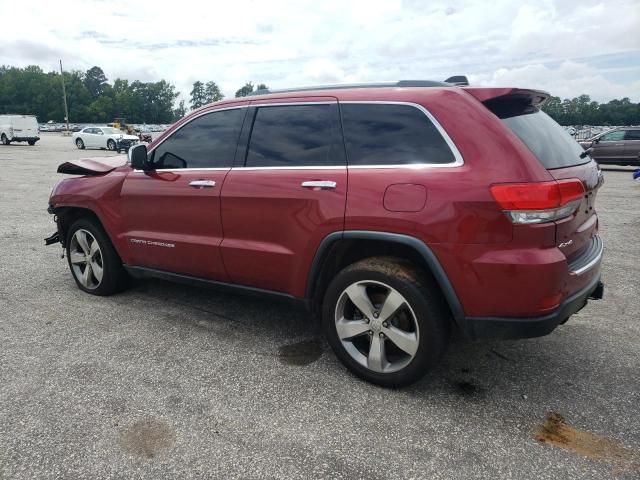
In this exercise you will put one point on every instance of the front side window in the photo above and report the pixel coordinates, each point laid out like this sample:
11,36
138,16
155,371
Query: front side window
391,134
616,136
295,136
208,141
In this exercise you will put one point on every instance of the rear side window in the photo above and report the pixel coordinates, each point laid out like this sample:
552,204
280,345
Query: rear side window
390,134
615,136
632,135
295,136
208,141
547,140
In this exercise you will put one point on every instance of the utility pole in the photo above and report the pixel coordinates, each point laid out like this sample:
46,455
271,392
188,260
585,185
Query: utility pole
64,96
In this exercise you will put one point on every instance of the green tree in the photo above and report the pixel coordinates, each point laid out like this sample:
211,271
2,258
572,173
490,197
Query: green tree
212,93
244,91
197,95
95,81
179,112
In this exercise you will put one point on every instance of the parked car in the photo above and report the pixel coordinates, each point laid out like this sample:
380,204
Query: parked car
19,128
103,137
395,213
619,146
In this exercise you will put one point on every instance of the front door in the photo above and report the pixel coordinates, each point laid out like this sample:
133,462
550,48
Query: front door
287,192
171,215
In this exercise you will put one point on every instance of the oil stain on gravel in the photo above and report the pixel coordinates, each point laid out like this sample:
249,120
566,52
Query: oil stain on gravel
555,431
147,438
301,353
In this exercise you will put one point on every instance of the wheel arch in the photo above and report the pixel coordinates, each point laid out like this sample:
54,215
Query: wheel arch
67,215
339,249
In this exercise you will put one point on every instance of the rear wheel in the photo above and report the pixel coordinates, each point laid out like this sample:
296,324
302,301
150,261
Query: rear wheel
32,142
94,263
111,145
386,321
5,140
79,144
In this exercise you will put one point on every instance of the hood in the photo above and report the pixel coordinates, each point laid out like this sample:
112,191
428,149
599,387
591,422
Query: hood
92,166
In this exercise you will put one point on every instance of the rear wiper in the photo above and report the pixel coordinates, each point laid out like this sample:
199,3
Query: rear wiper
586,153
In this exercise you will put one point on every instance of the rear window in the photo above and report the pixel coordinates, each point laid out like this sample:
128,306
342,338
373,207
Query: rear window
390,134
548,141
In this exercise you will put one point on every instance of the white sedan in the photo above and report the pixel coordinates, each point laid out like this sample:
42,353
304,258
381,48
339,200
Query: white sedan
102,137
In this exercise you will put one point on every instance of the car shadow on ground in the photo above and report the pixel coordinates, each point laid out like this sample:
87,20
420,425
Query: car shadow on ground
476,370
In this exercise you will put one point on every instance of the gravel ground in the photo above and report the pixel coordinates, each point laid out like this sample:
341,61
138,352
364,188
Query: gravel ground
167,381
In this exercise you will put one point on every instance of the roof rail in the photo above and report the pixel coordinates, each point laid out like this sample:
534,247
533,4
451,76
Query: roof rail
457,80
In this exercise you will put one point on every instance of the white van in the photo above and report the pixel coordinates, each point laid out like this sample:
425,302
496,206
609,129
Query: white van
19,128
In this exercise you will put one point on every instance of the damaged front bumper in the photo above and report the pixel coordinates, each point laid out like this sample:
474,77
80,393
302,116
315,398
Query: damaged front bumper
54,237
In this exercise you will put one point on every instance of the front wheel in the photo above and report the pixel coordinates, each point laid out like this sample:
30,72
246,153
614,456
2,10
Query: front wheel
386,321
80,144
32,142
94,263
111,145
5,140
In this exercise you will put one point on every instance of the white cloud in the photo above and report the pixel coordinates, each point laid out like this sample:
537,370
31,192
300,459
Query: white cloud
561,46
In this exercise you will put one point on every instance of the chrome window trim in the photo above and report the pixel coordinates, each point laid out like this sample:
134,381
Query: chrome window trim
459,161
195,169
324,167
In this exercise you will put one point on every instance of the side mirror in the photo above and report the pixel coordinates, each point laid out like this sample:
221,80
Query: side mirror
138,157
596,141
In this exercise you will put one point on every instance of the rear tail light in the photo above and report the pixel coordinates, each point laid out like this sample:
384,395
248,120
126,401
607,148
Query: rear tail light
539,202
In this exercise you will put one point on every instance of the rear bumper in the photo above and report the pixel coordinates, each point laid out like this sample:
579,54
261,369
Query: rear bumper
505,327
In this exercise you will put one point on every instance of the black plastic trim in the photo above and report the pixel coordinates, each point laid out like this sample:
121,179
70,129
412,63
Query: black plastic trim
528,327
144,272
412,242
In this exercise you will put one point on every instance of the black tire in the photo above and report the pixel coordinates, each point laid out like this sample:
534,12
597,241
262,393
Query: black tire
426,307
31,142
79,144
114,277
5,140
111,144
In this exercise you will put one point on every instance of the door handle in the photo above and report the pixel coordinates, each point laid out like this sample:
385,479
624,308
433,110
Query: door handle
619,144
319,184
202,183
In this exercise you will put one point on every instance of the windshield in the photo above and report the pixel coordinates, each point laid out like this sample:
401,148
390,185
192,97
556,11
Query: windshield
111,131
547,140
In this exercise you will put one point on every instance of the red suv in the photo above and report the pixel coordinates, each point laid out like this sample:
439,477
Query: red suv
394,211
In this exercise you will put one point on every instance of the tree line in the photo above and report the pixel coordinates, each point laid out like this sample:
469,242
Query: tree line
584,111
92,98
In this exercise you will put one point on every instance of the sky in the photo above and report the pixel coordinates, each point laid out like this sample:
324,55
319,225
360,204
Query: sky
565,47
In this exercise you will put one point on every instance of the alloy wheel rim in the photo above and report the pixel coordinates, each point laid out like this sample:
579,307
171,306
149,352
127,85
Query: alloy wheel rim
86,259
377,326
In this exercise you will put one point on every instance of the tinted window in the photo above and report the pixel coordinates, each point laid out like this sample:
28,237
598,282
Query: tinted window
547,140
632,135
612,136
388,134
295,135
208,141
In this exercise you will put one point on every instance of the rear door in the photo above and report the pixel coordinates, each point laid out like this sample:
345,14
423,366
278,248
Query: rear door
90,137
171,215
632,146
287,192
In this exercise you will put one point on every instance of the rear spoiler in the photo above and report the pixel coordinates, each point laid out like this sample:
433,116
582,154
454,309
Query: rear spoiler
491,95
